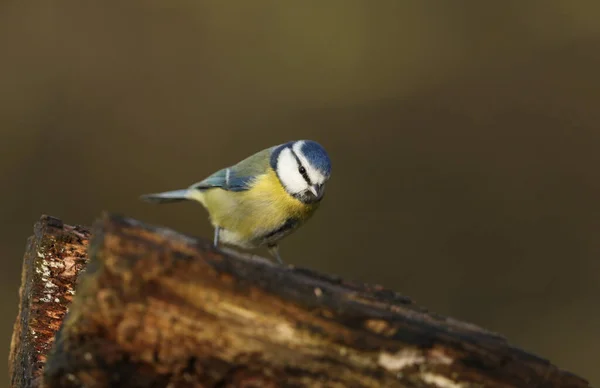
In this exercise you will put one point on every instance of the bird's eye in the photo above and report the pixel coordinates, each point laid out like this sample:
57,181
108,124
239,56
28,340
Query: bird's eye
302,170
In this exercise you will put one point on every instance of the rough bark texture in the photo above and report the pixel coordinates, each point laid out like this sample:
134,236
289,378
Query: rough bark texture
54,256
160,309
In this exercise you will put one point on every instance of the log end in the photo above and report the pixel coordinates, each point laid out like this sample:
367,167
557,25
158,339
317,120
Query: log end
54,256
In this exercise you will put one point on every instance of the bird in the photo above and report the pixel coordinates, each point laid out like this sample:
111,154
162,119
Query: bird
263,198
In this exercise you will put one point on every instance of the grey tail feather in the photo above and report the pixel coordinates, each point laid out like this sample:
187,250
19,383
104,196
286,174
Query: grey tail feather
166,197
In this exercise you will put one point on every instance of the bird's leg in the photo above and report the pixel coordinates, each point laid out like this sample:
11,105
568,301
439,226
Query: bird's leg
216,238
274,250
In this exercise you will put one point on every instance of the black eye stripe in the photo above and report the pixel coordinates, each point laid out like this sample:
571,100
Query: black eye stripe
306,178
301,169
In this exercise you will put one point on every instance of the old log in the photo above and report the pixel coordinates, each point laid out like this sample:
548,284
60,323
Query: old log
54,257
160,309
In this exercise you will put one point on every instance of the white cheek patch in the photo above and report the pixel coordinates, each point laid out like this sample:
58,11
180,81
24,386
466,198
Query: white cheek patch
314,174
287,169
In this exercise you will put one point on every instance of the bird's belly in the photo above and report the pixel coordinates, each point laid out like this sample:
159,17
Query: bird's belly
250,220
227,236
259,236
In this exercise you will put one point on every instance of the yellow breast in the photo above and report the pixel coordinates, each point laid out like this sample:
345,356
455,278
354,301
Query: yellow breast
247,215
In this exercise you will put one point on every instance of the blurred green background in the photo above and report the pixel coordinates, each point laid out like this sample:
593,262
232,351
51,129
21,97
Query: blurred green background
464,138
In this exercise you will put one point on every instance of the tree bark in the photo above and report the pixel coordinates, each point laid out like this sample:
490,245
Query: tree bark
54,257
160,309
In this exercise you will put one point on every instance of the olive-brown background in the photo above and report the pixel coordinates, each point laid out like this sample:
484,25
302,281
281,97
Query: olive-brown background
464,139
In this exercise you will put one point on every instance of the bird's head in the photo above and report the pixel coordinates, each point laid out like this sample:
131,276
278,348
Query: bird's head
303,167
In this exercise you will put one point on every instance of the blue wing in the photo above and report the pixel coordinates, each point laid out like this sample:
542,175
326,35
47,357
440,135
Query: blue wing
239,177
225,179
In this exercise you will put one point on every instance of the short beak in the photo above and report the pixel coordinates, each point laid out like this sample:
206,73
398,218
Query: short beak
317,190
316,193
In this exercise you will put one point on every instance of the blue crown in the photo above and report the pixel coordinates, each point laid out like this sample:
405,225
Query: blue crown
317,156
313,151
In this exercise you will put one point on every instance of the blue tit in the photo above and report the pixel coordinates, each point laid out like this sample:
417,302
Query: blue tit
263,198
